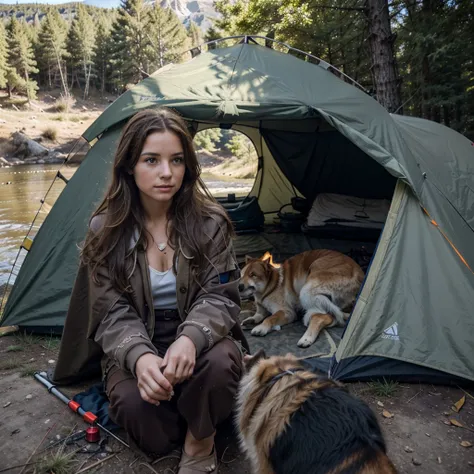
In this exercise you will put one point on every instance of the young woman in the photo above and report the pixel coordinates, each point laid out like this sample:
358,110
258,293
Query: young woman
163,294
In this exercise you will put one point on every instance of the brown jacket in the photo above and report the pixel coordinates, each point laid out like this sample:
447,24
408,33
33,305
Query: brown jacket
101,320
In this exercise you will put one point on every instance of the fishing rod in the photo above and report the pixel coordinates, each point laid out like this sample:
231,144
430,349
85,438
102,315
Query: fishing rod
87,416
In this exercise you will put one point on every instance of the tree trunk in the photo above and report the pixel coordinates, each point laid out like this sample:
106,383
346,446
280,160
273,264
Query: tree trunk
384,65
447,115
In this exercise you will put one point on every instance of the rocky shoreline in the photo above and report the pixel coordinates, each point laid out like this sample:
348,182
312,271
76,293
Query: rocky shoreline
29,152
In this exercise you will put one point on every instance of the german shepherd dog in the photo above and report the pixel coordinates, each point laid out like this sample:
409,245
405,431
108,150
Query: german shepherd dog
292,421
322,283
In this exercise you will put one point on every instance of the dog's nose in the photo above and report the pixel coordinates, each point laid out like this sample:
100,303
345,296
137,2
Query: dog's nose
241,287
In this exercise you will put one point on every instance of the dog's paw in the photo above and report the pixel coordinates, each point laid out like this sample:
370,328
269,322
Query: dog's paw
249,321
260,330
305,341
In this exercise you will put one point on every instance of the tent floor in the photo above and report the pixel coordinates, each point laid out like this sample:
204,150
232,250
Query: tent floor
285,340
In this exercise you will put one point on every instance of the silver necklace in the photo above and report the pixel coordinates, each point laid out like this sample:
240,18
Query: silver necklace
161,245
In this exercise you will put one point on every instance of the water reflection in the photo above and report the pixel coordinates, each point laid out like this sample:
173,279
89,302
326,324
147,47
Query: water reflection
21,190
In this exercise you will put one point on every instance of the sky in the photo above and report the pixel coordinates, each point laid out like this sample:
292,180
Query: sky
97,3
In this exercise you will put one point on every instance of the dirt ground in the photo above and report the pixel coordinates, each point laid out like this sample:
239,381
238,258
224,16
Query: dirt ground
47,114
418,430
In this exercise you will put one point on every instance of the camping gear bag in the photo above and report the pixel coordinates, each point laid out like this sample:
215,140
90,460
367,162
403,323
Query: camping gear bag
245,213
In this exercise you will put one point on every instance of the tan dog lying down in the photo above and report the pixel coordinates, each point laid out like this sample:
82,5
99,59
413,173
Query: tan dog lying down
322,283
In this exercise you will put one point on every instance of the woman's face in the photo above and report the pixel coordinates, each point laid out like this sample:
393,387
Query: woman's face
159,171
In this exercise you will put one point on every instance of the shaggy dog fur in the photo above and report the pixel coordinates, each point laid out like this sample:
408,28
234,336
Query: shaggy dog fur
291,421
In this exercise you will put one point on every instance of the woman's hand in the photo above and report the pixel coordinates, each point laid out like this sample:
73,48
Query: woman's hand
152,384
179,361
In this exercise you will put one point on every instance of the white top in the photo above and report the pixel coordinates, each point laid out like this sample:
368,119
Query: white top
163,289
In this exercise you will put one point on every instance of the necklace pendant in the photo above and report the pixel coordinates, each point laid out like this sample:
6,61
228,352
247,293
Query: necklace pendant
161,246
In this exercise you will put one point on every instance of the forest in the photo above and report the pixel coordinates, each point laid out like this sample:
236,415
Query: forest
416,56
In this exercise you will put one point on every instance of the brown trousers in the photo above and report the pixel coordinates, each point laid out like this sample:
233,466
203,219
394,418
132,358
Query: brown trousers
200,403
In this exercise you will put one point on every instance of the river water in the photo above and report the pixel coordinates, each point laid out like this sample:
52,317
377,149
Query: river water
23,187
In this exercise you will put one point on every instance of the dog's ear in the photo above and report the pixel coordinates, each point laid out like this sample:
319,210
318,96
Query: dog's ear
247,259
266,257
250,361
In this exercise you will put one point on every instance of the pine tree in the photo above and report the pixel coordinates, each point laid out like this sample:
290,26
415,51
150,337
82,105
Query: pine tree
3,56
129,38
81,43
20,60
195,34
102,53
51,48
167,37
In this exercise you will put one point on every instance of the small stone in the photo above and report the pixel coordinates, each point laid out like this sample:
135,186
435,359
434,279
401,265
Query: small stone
42,353
29,397
380,404
439,460
416,462
7,404
32,359
427,434
109,449
51,361
58,437
47,421
102,455
408,449
14,432
446,413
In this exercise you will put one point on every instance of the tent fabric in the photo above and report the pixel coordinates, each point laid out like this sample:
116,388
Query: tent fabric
312,162
40,295
306,124
417,310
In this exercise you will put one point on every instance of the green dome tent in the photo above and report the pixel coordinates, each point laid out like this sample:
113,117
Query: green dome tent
313,133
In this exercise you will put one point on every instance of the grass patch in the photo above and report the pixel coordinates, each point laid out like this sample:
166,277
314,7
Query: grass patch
61,105
59,463
383,388
10,364
27,339
28,371
50,133
17,348
59,118
51,343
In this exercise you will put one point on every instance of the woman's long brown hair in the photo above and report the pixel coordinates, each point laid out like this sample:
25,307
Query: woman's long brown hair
121,211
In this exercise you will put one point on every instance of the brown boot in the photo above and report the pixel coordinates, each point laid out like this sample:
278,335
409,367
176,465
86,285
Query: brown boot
197,465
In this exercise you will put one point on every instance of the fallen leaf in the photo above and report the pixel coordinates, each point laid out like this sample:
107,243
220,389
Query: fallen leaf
380,404
466,444
387,414
456,423
459,404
